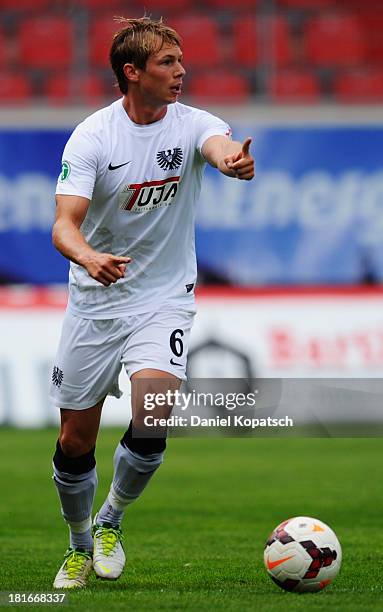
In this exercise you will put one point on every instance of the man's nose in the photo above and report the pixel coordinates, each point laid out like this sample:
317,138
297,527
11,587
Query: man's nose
181,70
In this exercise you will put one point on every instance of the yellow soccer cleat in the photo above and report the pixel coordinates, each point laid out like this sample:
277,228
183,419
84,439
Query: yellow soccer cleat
75,570
108,554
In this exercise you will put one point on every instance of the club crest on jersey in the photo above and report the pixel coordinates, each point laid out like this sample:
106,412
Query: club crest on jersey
171,159
143,197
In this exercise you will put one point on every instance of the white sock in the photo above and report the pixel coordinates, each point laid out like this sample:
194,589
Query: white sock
132,472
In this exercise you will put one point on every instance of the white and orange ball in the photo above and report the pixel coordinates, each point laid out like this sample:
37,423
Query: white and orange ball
303,554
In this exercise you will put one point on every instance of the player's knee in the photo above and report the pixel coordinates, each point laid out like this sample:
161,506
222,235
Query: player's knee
75,445
73,464
143,446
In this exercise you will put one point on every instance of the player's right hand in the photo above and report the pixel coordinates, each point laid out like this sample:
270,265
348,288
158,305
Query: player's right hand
106,268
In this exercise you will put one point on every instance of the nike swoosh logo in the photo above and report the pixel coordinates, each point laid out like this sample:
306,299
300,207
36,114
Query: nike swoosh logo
317,527
105,569
174,362
110,167
271,564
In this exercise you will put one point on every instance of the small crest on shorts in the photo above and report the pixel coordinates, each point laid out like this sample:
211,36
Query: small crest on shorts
171,159
57,376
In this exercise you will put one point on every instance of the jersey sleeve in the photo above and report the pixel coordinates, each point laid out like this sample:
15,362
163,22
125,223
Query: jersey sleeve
80,161
209,125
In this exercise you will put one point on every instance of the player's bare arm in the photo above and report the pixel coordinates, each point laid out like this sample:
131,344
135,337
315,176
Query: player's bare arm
106,268
231,157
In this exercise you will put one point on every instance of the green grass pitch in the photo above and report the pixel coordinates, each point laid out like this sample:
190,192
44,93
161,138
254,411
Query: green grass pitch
195,539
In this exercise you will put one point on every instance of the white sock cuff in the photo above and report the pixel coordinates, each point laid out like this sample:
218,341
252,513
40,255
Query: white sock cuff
81,526
117,502
143,463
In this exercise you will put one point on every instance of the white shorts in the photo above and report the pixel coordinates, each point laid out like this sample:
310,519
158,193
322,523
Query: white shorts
91,353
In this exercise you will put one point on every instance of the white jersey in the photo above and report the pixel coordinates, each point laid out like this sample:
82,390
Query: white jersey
143,182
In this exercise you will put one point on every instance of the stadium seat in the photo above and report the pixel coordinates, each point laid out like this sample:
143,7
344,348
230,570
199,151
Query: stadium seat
220,86
127,9
359,86
24,5
169,6
46,42
102,30
232,6
14,88
335,40
3,49
294,86
368,5
279,40
372,22
246,41
306,4
248,49
201,44
102,4
64,89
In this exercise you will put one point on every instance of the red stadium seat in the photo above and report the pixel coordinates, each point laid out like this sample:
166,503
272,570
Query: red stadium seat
24,5
63,89
335,40
280,46
201,41
246,41
372,22
102,4
359,86
229,4
220,86
3,49
102,30
170,6
294,86
306,4
275,30
46,42
14,88
125,9
368,5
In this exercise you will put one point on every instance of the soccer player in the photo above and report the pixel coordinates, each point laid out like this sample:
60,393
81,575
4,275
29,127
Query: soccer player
131,174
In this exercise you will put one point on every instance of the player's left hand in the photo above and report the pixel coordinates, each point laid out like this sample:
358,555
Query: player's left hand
242,163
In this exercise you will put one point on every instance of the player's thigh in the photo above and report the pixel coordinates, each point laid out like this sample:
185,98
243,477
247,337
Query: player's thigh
87,363
155,358
153,394
79,429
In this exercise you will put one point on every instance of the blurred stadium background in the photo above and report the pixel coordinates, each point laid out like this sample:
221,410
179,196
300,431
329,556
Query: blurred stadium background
291,264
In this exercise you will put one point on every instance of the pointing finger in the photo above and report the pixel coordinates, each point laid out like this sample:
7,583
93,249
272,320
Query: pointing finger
121,260
246,146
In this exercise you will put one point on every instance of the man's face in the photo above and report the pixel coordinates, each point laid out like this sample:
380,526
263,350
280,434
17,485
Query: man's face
160,82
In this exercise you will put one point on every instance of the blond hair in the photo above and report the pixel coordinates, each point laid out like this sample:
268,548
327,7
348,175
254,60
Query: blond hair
137,39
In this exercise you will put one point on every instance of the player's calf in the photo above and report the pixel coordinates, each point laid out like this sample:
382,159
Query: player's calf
76,481
135,461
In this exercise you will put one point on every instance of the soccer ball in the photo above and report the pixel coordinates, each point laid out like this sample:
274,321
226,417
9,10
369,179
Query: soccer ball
302,554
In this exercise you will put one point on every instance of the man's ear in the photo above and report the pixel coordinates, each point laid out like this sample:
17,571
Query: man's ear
131,72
